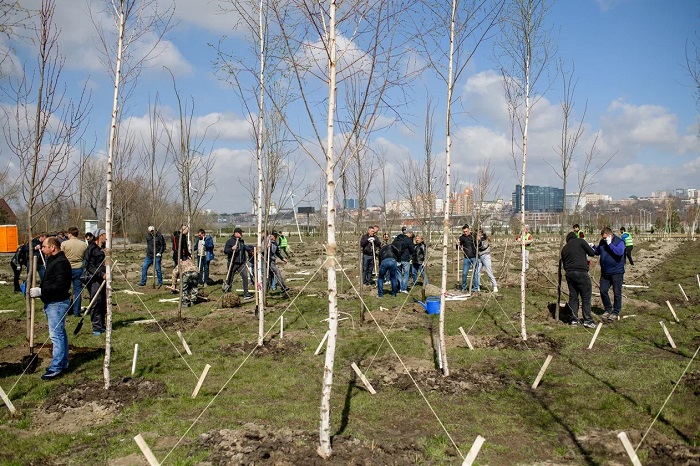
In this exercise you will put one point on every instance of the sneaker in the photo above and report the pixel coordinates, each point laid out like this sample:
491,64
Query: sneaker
589,324
142,284
248,296
48,375
614,317
574,322
403,291
159,285
495,289
97,333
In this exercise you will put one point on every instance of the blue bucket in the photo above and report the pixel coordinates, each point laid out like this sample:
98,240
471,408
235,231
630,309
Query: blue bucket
432,304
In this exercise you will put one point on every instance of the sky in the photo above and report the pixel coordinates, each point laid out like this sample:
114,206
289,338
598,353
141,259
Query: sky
629,58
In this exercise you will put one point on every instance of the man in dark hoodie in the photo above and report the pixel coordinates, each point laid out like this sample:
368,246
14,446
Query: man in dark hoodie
369,244
95,267
388,257
155,247
467,243
574,259
611,250
55,294
235,250
404,244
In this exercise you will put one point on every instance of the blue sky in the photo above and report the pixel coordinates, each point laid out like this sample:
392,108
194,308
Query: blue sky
629,59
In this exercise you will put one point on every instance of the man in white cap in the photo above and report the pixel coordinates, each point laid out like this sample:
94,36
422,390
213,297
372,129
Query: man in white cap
155,247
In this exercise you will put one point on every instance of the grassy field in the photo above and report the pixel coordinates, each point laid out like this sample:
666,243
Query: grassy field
261,406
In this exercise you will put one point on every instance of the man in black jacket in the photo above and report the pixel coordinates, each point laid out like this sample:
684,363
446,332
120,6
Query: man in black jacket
369,244
467,243
155,247
574,259
96,270
55,294
404,243
388,257
235,250
184,247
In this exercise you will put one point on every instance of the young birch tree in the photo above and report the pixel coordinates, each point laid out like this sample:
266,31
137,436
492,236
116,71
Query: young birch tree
526,52
124,58
463,22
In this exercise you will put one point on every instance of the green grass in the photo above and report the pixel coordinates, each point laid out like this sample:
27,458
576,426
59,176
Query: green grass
618,385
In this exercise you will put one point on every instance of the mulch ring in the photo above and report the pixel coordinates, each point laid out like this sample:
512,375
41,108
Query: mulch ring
537,341
256,444
278,349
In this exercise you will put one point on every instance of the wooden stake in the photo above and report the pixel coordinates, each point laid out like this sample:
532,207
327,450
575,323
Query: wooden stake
363,378
133,364
466,338
629,449
7,401
595,335
672,311
150,457
474,451
184,343
698,277
318,350
668,335
684,295
4,311
281,327
201,380
544,368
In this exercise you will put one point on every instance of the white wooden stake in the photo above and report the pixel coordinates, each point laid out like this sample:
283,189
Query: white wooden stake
281,327
184,343
318,350
629,449
5,311
595,335
150,457
672,311
544,368
439,354
684,295
466,338
474,451
698,277
201,380
133,364
7,401
363,378
668,335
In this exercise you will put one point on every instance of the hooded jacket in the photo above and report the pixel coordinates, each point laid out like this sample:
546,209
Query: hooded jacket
612,256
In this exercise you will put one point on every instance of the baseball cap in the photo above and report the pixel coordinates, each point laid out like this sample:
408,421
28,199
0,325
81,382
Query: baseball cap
403,229
238,230
151,228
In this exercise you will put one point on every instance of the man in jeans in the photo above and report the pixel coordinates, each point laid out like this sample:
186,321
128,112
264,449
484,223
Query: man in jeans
611,250
574,259
369,244
155,247
55,294
74,249
467,243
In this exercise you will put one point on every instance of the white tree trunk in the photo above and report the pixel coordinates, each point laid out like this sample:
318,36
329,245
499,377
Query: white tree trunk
108,208
523,330
446,217
259,286
324,449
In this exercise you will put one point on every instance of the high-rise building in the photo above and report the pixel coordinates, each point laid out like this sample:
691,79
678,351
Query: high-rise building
539,199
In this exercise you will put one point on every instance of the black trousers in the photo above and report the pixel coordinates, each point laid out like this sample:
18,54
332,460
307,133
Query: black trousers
628,254
99,309
580,286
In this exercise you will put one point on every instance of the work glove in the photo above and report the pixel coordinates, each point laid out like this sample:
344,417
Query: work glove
35,292
158,255
371,240
592,245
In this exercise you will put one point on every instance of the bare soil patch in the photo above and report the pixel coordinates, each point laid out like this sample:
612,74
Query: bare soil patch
277,349
72,408
256,444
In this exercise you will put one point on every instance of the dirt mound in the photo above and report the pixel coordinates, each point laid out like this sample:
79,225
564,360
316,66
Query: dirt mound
72,408
278,349
534,341
256,444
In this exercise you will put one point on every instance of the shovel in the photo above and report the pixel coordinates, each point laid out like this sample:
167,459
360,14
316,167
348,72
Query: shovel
92,301
31,361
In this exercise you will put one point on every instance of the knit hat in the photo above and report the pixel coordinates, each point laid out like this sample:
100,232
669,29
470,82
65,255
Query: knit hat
99,231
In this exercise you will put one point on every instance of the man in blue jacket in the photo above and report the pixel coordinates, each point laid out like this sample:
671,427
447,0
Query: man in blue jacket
611,250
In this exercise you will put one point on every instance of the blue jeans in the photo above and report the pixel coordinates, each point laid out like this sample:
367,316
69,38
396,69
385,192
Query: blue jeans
418,270
616,281
405,272
146,265
77,290
387,265
466,265
56,316
203,270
